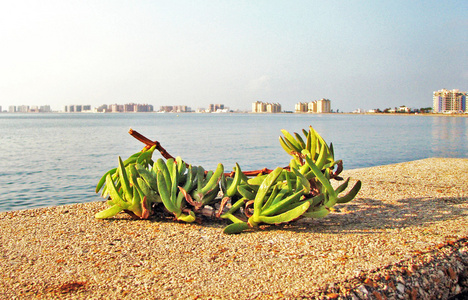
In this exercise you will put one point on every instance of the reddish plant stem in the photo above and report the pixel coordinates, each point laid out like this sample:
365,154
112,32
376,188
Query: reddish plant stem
149,143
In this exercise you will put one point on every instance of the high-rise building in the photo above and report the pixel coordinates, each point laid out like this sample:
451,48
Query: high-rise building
45,108
173,109
71,108
117,108
260,107
143,108
449,101
257,107
317,106
273,108
102,108
312,107
323,106
77,108
130,107
215,107
23,109
180,108
300,107
165,108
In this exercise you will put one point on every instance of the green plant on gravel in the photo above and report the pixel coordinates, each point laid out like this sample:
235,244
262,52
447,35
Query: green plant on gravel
303,189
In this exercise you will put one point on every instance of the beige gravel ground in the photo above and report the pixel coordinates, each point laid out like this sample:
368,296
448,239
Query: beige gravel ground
404,237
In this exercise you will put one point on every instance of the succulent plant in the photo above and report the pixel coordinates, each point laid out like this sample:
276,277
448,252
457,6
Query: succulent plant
141,186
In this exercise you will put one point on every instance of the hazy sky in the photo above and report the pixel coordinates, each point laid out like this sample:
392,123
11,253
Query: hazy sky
358,54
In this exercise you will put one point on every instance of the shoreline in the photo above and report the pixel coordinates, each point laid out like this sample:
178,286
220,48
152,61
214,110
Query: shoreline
242,112
405,235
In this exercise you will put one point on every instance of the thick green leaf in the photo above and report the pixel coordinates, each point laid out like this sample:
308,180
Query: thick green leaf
317,214
103,179
164,192
113,193
125,183
275,208
232,189
323,180
287,216
351,194
291,141
246,191
300,140
236,228
342,187
110,212
214,180
285,146
264,188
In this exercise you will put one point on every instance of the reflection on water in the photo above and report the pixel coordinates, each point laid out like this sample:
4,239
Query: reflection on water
450,136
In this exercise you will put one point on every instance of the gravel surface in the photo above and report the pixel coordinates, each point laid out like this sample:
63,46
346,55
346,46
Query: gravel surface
405,236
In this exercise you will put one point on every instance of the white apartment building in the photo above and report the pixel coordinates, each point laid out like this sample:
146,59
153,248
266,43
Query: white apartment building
449,101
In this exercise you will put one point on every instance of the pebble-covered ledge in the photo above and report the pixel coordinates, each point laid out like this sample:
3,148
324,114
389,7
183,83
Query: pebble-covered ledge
404,237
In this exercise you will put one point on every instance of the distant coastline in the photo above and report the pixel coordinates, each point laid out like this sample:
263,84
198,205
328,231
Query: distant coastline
247,112
412,114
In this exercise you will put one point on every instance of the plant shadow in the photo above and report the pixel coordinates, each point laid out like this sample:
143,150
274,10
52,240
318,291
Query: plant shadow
362,215
366,215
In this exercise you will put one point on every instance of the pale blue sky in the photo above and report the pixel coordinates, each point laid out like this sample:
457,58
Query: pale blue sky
358,54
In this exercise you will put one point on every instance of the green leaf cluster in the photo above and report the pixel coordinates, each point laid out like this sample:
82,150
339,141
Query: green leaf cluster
141,186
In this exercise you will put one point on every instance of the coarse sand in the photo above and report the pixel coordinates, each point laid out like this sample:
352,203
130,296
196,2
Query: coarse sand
405,236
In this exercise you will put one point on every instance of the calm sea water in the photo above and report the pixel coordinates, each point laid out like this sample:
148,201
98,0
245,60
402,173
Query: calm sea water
55,159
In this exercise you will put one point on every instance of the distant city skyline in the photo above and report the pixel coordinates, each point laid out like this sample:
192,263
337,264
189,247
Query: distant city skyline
444,101
359,54
186,108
